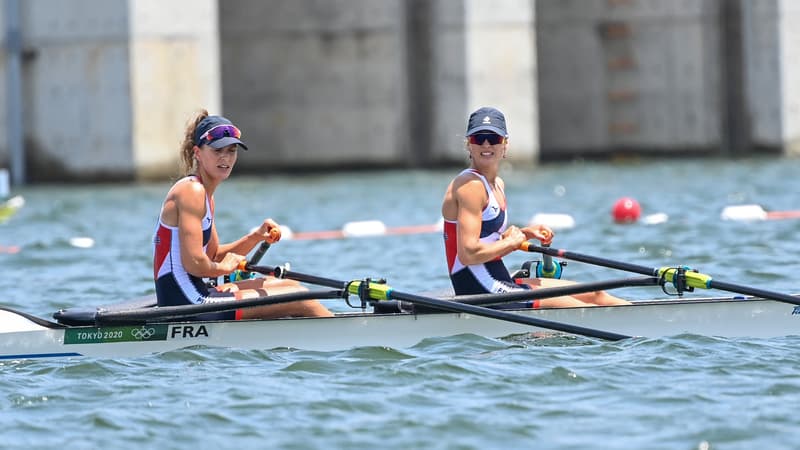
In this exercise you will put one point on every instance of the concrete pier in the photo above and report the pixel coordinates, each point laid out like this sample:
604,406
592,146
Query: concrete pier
108,85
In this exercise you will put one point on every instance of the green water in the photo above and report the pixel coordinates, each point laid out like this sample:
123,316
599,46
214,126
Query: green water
680,392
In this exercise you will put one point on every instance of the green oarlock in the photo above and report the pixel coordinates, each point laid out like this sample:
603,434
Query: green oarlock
376,291
693,279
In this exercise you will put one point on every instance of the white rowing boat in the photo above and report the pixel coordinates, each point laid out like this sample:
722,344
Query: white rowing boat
139,328
26,337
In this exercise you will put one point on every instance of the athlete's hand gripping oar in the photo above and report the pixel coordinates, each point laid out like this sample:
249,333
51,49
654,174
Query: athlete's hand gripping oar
238,275
274,236
681,277
378,291
105,317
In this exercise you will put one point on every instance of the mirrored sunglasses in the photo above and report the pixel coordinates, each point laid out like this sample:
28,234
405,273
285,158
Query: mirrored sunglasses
479,138
219,132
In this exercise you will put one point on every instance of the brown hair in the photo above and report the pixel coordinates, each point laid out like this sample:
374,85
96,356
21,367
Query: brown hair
187,155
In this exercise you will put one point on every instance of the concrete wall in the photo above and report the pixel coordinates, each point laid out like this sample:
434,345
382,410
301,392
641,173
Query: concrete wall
772,42
501,63
107,90
174,72
316,83
790,56
327,84
482,54
76,83
348,83
641,75
5,151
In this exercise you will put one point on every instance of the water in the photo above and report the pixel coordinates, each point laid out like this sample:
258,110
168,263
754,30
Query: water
680,392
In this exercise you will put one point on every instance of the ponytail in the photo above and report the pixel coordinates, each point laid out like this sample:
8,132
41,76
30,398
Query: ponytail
187,153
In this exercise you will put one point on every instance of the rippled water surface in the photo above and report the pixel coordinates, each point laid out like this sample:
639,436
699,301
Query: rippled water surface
679,392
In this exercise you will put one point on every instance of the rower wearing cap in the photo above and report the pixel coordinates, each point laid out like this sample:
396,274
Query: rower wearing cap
476,230
187,246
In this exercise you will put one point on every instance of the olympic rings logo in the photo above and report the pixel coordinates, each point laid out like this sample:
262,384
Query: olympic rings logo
143,333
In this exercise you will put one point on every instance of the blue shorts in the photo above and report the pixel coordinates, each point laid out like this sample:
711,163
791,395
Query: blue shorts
465,282
169,293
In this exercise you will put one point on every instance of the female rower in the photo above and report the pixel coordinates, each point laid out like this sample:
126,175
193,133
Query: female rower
187,247
476,230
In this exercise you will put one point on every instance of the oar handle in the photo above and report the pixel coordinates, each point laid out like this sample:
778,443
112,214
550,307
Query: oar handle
547,260
547,268
262,249
274,235
239,274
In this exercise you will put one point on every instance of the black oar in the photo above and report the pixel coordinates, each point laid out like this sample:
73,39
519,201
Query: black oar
104,317
259,253
677,275
379,291
542,293
255,259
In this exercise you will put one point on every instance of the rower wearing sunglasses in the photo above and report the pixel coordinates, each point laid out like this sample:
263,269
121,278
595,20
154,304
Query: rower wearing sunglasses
187,247
476,230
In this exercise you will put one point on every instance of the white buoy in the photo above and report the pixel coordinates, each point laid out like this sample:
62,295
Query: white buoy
743,213
15,202
364,228
81,242
655,219
554,221
286,233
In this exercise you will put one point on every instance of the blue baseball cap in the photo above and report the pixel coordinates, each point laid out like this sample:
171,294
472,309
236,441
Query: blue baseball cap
217,132
487,119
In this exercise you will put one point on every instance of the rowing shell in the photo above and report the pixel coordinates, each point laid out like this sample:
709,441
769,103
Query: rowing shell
26,337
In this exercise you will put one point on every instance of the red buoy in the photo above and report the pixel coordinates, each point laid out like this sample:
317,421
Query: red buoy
626,210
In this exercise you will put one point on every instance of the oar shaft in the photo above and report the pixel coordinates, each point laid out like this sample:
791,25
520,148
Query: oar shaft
502,315
380,291
694,279
274,234
542,293
547,261
262,249
103,317
280,272
635,268
755,292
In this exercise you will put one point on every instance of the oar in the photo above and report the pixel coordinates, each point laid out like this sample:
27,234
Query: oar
105,317
679,276
239,275
262,249
379,291
542,293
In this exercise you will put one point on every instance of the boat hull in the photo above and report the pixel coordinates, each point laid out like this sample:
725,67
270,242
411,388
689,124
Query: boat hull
723,317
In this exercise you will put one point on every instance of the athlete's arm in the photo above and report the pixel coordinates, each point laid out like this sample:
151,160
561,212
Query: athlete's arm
471,198
190,201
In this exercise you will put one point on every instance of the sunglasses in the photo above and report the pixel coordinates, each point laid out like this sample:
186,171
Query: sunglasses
219,132
493,138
